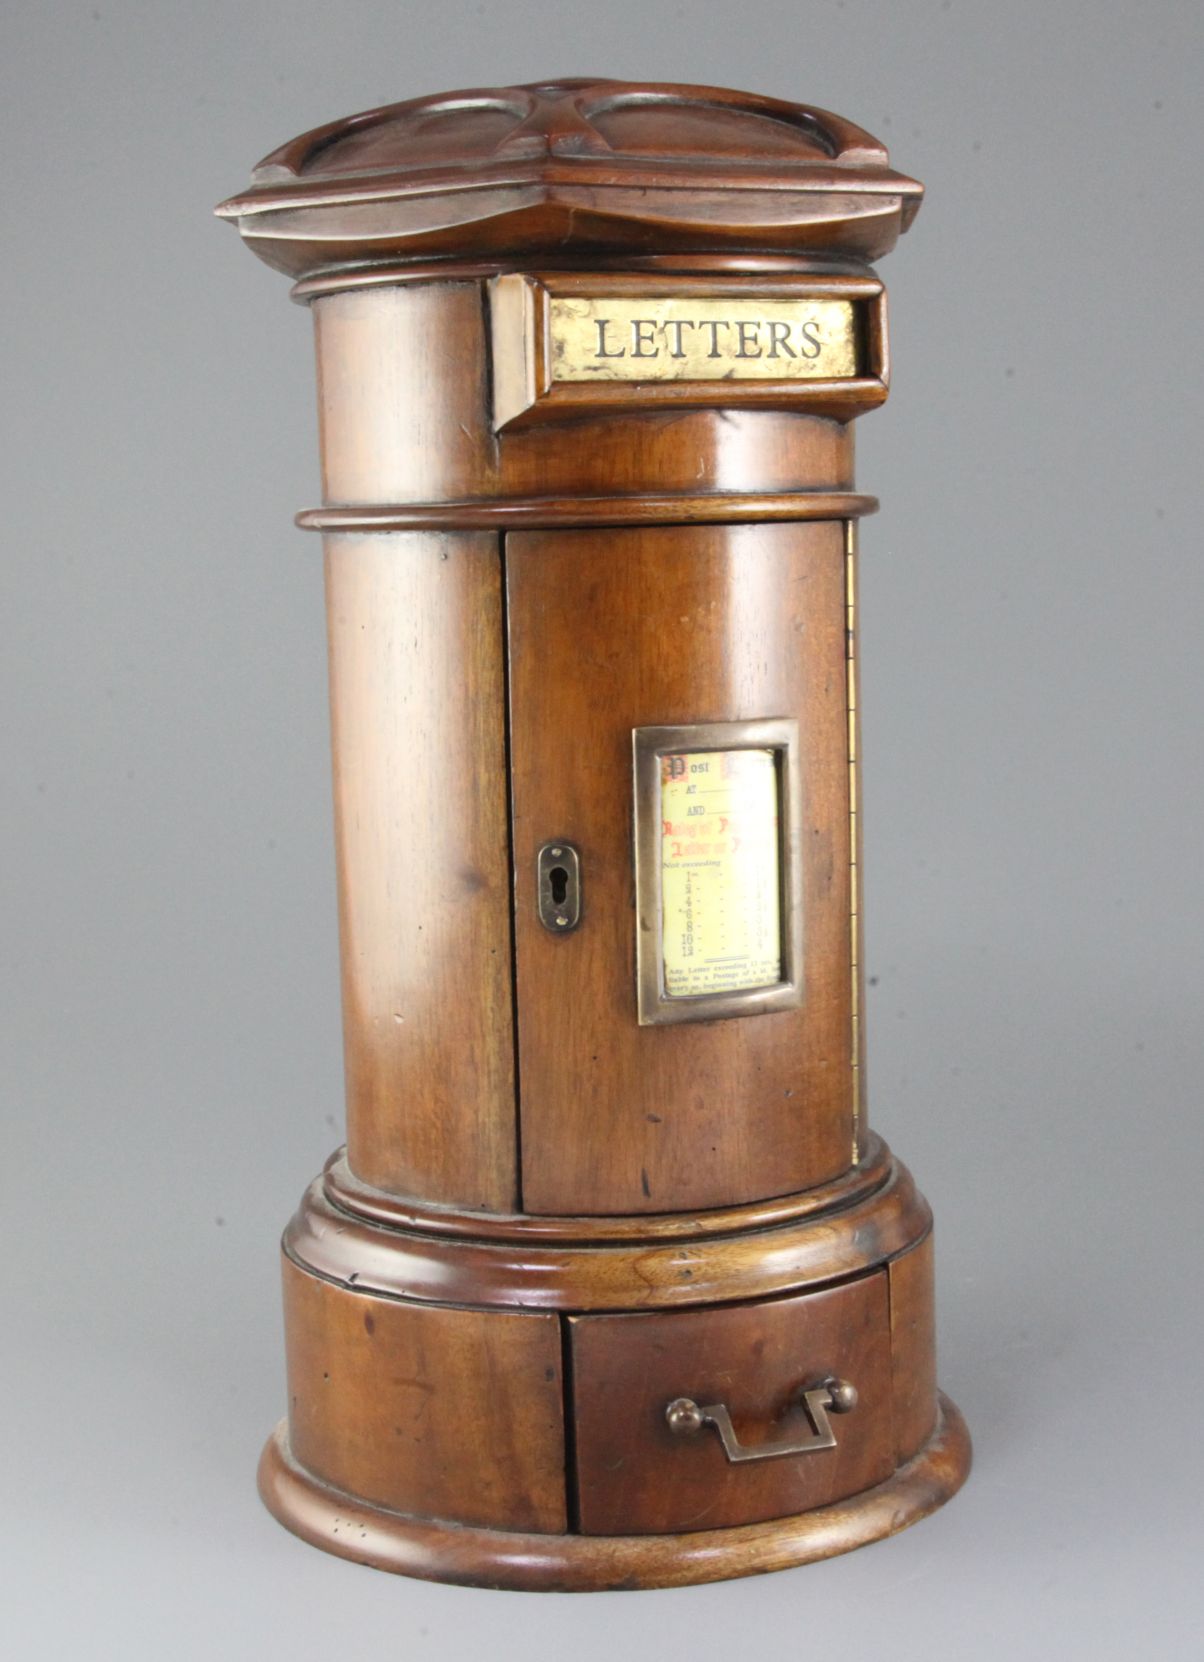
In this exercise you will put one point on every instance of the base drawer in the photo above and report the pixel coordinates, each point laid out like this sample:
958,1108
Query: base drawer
636,1474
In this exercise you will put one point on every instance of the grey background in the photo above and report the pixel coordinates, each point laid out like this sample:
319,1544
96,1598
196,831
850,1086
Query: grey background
1032,698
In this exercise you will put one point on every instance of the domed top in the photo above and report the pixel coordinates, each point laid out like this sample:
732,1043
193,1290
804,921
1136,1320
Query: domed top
561,167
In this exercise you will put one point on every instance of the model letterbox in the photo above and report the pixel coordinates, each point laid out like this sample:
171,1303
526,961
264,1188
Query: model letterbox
612,1284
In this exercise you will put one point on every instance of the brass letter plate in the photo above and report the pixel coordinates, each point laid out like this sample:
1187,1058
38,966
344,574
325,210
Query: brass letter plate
680,338
566,346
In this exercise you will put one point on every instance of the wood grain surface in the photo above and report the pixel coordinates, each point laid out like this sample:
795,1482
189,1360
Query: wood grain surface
342,1189
630,1274
342,1524
406,416
576,165
634,1475
417,691
611,630
913,1347
439,1413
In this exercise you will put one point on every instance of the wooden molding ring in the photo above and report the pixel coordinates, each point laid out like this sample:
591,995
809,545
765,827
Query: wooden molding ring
345,1190
336,1246
470,1556
448,268
552,513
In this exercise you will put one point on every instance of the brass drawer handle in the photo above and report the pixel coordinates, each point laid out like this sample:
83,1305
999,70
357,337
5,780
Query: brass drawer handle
835,1396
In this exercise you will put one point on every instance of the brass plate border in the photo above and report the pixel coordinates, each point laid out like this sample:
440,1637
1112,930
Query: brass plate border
648,745
524,392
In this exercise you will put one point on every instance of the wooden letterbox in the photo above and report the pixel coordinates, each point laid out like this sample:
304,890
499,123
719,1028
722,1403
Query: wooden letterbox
612,1285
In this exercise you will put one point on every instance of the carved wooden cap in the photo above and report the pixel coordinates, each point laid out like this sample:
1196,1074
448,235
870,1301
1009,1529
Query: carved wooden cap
563,168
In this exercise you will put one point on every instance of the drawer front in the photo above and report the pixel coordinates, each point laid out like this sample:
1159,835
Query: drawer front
638,1475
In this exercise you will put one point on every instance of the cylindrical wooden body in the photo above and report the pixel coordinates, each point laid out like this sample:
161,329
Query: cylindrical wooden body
485,684
572,1197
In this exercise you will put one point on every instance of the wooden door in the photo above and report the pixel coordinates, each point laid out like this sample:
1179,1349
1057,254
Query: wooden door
616,629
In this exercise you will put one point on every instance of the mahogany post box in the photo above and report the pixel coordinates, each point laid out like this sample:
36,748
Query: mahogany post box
612,1285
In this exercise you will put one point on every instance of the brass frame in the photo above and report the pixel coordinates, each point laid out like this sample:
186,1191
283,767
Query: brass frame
524,391
649,744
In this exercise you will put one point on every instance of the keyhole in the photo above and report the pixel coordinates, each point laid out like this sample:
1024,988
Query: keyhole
559,888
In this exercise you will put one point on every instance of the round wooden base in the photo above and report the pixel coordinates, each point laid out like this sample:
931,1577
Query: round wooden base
436,1551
